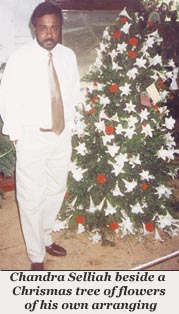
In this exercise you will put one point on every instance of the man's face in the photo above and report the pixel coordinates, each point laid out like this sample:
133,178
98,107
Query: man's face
47,30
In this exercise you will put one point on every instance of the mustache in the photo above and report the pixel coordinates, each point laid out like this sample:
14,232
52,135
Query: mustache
50,40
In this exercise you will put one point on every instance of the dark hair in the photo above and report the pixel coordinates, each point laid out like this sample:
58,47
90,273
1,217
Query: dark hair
46,8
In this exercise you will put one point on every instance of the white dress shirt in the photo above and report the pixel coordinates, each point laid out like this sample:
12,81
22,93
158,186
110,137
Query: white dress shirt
25,93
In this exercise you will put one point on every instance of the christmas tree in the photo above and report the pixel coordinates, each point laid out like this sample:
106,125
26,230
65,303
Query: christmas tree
123,149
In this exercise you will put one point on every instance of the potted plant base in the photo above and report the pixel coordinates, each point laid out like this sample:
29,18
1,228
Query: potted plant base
7,184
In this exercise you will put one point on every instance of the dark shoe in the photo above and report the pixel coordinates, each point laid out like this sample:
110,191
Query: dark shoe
55,250
37,266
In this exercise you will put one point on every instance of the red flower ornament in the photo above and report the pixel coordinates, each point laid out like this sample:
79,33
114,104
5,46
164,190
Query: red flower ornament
109,129
123,20
114,225
66,196
132,54
156,108
150,24
133,41
144,125
113,88
80,219
92,111
149,226
116,34
101,178
144,186
94,99
160,84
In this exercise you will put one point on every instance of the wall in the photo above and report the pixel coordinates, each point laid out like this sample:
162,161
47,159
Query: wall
14,30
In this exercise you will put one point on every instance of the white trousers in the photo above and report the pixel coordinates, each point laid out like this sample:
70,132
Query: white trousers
41,173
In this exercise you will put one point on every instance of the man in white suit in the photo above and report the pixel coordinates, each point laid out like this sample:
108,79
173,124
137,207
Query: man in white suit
43,155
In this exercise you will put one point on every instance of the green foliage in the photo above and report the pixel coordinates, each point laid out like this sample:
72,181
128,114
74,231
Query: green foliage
7,155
